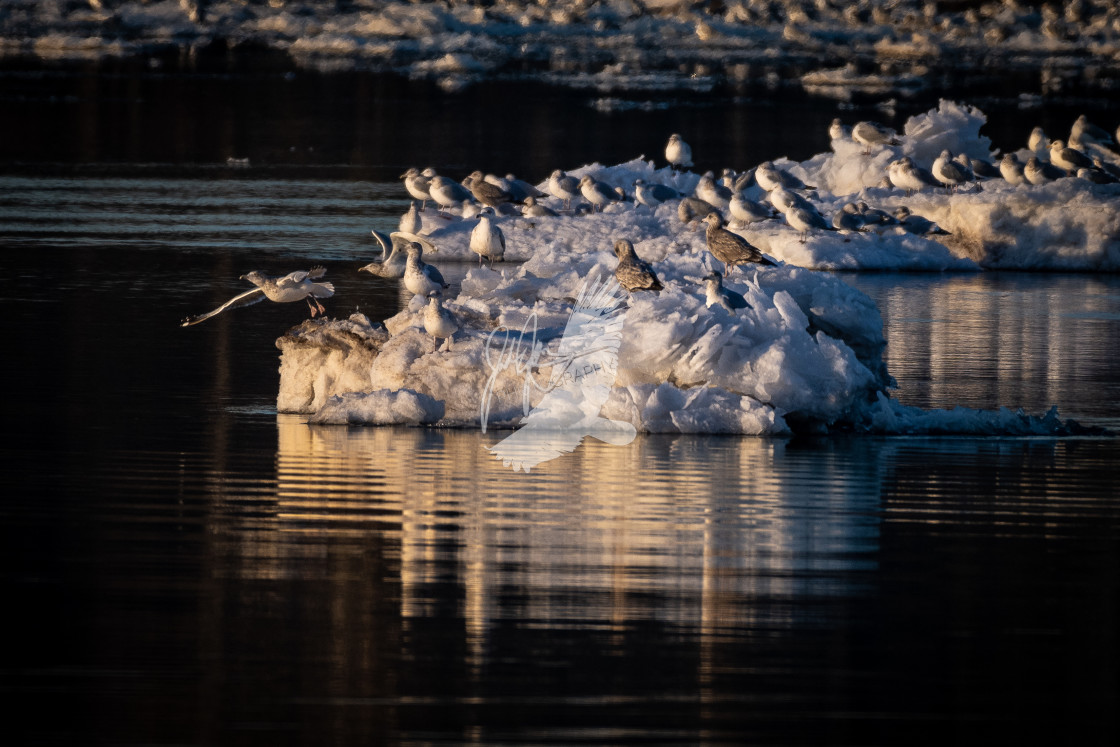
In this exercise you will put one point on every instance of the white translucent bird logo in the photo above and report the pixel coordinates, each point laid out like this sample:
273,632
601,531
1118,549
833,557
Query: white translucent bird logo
583,373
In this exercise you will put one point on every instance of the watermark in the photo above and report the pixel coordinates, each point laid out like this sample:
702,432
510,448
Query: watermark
583,365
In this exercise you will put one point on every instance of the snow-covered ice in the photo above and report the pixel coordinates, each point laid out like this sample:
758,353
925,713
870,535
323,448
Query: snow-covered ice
805,356
878,46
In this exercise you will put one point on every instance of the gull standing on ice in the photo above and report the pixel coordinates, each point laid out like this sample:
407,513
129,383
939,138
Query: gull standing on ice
486,192
678,153
534,209
838,130
1038,142
652,195
917,224
873,133
691,208
294,286
770,177
712,193
487,240
1012,170
848,218
716,295
597,193
632,273
730,248
421,278
410,221
1085,132
563,187
417,184
438,321
783,200
803,221
1041,172
520,189
747,211
448,193
907,175
1068,159
949,172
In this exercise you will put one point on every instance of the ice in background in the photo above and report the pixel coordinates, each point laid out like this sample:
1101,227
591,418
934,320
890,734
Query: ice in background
833,48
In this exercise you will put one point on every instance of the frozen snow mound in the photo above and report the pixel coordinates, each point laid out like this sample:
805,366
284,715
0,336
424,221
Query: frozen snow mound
805,355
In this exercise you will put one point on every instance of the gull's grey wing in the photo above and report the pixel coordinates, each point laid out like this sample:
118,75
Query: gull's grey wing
384,241
316,272
248,298
401,240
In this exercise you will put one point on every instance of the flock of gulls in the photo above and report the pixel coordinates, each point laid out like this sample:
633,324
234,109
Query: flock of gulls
717,202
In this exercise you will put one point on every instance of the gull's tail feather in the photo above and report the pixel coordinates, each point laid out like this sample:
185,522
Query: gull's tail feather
322,290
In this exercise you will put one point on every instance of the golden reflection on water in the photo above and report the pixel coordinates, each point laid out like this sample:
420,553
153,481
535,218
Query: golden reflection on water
704,523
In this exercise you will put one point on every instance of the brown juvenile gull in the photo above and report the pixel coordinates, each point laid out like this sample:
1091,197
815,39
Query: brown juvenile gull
294,286
485,192
730,248
632,273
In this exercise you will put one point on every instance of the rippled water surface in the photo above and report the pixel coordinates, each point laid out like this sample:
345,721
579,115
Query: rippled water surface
185,566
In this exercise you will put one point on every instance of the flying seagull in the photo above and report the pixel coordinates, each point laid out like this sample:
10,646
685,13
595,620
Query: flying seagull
294,286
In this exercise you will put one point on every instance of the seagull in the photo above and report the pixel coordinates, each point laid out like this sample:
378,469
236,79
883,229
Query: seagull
632,273
770,177
873,133
417,184
1038,142
1041,172
748,211
848,218
1069,159
983,169
691,208
949,172
487,240
596,192
520,189
534,209
905,174
730,248
803,221
717,295
678,153
294,286
1097,176
783,199
438,321
712,193
652,195
394,249
838,130
421,278
1012,170
917,224
410,221
1084,132
486,192
874,216
448,193
563,187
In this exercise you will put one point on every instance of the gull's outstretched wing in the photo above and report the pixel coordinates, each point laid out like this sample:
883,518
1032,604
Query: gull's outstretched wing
248,298
401,240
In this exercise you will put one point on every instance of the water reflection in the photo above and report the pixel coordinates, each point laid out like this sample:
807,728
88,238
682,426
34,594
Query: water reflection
1016,340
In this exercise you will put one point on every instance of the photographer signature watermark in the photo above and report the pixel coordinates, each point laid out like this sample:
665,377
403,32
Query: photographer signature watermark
583,371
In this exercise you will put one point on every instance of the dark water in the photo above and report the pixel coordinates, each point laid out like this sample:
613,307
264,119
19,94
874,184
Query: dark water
183,566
